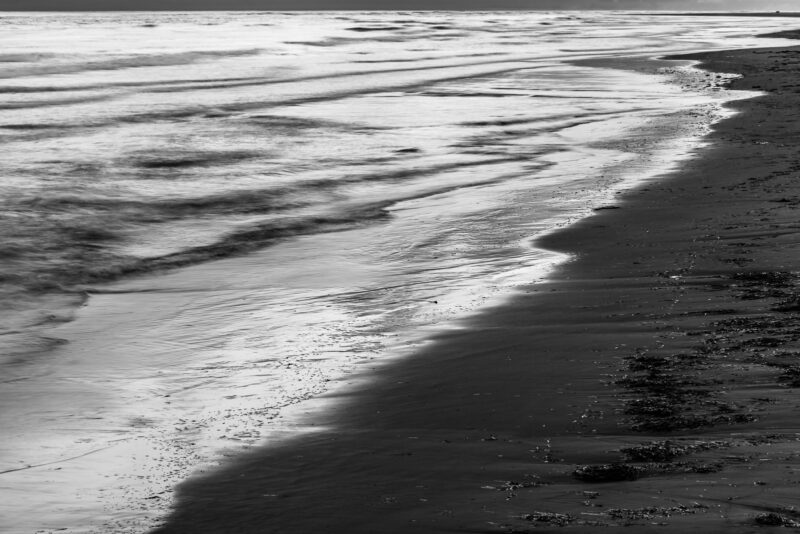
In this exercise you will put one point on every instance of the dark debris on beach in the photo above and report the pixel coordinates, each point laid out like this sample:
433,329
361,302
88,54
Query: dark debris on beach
672,393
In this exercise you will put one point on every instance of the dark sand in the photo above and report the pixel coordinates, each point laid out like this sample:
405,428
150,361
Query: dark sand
652,385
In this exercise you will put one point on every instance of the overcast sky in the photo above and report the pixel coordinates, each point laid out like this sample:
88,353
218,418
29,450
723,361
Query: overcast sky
91,5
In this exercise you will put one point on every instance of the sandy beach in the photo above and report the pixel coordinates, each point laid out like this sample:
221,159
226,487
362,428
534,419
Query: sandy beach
649,385
391,272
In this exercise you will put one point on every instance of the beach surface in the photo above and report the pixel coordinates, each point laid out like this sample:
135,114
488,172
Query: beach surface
650,384
222,228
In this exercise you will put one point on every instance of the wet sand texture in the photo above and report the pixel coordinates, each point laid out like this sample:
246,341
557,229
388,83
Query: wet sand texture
651,385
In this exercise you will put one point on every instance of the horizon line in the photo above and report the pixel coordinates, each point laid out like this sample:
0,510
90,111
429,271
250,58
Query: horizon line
711,12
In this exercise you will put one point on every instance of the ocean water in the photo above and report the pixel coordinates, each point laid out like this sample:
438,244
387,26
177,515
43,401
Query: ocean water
208,219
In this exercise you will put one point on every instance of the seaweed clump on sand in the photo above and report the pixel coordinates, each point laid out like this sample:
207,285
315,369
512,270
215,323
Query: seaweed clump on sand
552,518
673,392
667,397
764,284
772,519
666,451
615,472
652,512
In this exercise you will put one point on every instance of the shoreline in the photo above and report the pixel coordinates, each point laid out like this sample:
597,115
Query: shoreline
96,331
520,421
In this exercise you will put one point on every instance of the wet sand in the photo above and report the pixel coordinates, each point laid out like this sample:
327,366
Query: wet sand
650,385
